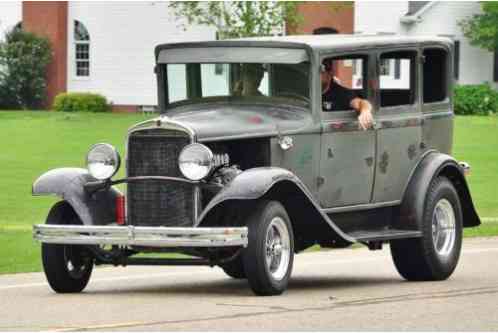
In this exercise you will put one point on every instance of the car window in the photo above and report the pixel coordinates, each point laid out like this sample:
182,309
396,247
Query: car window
435,70
194,82
177,73
343,78
397,78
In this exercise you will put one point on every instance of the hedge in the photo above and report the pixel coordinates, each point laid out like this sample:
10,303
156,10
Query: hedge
479,99
75,102
24,58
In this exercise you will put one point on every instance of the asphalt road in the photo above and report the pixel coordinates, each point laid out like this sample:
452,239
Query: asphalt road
333,290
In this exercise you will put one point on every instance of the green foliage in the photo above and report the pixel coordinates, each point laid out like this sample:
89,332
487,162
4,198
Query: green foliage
234,19
39,141
480,99
86,102
24,58
482,29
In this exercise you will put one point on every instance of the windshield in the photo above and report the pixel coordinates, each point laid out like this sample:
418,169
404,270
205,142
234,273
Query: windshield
238,81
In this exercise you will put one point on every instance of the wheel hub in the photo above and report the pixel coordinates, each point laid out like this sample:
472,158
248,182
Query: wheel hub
443,227
277,248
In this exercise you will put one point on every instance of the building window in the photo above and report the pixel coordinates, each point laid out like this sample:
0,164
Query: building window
82,49
385,67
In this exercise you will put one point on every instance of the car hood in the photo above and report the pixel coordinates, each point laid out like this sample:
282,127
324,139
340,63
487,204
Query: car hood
223,122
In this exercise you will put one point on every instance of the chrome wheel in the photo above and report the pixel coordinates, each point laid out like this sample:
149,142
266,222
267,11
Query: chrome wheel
443,227
277,248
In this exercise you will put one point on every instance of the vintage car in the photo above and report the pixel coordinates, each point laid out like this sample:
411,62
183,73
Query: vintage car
246,165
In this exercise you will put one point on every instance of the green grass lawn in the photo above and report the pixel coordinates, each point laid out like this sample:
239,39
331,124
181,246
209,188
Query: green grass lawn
34,142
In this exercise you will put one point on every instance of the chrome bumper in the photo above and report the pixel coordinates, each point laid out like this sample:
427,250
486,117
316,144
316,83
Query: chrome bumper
140,236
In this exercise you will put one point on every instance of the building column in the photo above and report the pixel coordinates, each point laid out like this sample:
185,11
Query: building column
49,19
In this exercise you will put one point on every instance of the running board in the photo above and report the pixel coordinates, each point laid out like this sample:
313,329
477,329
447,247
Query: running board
384,235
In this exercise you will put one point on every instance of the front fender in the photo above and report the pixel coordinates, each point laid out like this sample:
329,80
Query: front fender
280,184
68,183
433,165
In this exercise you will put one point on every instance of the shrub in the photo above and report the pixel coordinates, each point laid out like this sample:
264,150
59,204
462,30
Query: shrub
24,58
480,99
86,102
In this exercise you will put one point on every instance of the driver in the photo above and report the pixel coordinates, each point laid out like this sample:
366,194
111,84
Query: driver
336,97
248,85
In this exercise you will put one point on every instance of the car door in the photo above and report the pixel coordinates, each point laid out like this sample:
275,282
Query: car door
399,133
347,153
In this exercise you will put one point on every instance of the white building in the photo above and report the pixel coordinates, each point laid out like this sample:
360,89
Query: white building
107,47
473,65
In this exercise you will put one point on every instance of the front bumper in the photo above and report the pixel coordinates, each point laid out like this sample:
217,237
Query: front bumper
141,236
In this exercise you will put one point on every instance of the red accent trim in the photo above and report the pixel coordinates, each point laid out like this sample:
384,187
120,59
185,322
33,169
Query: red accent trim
120,210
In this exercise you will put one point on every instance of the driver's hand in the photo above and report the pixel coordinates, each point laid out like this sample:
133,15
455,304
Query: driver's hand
365,119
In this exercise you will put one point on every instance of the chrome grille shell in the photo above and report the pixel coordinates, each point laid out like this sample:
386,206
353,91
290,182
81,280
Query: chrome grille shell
152,150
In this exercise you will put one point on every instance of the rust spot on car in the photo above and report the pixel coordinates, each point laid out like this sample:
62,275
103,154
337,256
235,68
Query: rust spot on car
305,158
412,151
255,120
330,154
336,126
384,162
369,161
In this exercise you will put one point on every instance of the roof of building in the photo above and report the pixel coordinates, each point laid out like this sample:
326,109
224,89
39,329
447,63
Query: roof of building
415,6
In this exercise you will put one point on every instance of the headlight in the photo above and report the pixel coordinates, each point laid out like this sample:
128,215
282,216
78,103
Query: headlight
196,161
102,161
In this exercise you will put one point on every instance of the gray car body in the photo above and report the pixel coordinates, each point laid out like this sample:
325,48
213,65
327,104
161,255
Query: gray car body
410,145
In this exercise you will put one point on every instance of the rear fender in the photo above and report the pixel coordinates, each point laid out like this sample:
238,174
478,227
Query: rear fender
274,183
68,184
433,165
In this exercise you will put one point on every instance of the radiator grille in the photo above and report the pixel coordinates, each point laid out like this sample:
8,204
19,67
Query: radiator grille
158,203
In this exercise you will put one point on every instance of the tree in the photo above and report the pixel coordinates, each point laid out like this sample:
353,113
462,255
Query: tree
234,19
24,58
482,29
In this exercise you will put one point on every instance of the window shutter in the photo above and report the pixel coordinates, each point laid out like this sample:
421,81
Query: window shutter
456,60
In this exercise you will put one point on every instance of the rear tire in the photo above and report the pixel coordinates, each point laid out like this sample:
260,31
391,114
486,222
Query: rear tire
269,255
435,255
67,267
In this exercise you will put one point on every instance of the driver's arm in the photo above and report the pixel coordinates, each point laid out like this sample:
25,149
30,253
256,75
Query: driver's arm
364,108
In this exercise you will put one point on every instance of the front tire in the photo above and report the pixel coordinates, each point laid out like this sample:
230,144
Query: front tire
67,267
269,256
435,255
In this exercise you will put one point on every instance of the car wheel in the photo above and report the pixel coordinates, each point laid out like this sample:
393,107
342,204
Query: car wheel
435,255
234,268
269,255
67,267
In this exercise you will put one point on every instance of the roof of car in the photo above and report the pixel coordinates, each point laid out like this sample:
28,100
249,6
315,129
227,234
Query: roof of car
350,40
318,42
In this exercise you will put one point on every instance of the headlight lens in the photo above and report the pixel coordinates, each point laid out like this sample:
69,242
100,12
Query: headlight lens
196,161
103,161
